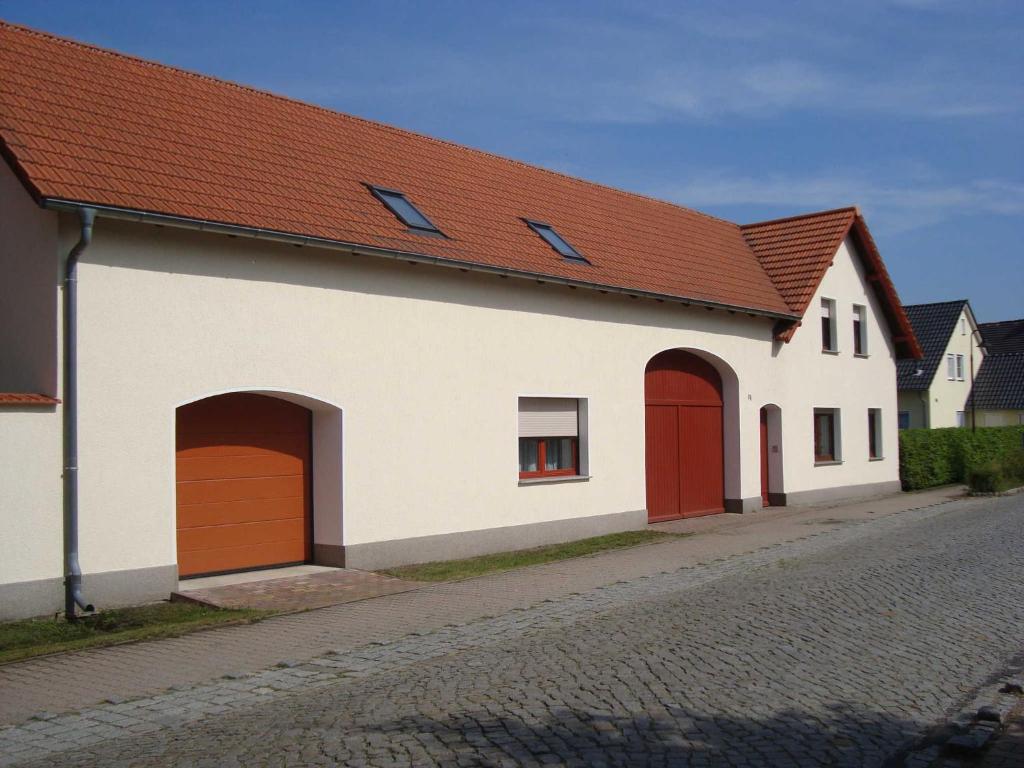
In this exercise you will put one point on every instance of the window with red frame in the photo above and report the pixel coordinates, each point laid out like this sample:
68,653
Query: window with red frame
548,456
825,443
548,437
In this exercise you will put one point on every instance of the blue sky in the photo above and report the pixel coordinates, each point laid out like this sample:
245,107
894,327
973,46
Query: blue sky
912,109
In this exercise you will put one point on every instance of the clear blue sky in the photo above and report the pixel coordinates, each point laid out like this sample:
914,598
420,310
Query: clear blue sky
912,109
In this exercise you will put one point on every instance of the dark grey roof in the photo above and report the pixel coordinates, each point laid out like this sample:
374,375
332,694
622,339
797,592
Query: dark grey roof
933,325
999,384
1003,337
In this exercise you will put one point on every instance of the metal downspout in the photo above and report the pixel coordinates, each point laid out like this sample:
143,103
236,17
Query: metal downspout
73,572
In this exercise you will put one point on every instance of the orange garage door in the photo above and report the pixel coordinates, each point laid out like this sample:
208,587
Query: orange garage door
243,484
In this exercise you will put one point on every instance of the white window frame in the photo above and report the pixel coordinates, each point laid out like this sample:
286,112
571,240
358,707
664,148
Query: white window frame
961,418
860,313
963,326
829,310
900,417
950,367
583,438
959,367
875,424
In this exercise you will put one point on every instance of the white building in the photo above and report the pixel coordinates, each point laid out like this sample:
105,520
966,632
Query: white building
933,391
302,336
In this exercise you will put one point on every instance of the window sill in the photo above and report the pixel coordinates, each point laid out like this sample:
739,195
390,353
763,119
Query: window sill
555,479
827,463
876,458
830,351
863,355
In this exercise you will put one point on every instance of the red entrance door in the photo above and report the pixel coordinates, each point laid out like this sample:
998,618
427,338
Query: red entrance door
685,472
764,457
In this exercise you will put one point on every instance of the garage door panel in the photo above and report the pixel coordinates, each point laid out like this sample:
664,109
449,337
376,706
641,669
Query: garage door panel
243,488
662,459
701,465
243,534
237,489
236,444
236,512
239,558
270,464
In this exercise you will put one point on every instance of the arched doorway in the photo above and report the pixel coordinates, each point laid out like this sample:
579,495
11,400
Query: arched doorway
684,444
243,483
771,457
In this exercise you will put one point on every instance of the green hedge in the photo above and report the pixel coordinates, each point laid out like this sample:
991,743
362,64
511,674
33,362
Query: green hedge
930,457
997,475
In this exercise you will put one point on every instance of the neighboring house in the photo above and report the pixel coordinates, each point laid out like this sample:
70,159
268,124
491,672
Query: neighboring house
998,395
294,335
933,390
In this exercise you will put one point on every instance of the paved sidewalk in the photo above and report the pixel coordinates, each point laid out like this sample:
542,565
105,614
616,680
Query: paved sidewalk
77,681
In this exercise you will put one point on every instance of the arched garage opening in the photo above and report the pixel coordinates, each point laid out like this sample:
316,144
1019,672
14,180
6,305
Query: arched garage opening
257,481
688,405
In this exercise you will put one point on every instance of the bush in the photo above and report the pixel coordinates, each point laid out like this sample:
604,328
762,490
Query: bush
987,478
930,457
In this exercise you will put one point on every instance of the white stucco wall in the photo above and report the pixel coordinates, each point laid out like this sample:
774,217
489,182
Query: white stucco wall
1003,418
807,378
946,397
914,402
28,291
31,537
31,518
426,364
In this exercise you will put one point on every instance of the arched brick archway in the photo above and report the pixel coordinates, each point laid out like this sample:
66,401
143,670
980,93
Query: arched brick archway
684,436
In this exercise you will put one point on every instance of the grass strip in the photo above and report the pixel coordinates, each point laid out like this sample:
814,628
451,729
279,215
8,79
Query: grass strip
453,570
36,637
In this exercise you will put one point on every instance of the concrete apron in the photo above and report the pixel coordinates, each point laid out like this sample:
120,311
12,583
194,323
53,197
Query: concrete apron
290,589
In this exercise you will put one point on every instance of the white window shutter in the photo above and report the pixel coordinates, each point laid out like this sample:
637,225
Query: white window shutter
548,417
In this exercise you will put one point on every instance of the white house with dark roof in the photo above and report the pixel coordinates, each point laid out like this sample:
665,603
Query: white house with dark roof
321,339
933,390
998,393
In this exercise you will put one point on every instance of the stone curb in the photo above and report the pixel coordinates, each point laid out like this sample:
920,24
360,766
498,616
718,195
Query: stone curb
976,726
1010,492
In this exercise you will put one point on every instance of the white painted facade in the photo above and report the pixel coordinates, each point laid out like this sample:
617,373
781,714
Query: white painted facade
943,404
413,374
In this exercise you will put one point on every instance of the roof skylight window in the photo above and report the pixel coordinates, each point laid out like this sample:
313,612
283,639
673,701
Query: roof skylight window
406,212
556,241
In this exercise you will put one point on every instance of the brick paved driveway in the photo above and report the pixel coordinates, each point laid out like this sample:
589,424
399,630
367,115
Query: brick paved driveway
841,649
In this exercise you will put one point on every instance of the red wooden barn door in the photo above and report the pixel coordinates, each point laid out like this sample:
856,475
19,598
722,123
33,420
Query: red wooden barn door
685,471
764,456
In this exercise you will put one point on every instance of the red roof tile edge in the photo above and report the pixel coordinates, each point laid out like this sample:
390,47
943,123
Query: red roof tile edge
681,297
26,398
906,342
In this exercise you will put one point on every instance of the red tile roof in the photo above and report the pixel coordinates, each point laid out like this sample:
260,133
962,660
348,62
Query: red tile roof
82,124
21,398
797,251
88,125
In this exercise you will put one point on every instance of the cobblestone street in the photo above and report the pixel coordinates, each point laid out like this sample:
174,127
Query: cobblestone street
840,649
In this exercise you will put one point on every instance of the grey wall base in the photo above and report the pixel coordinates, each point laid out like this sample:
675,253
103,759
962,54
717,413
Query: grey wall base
842,493
743,505
449,546
45,597
332,555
